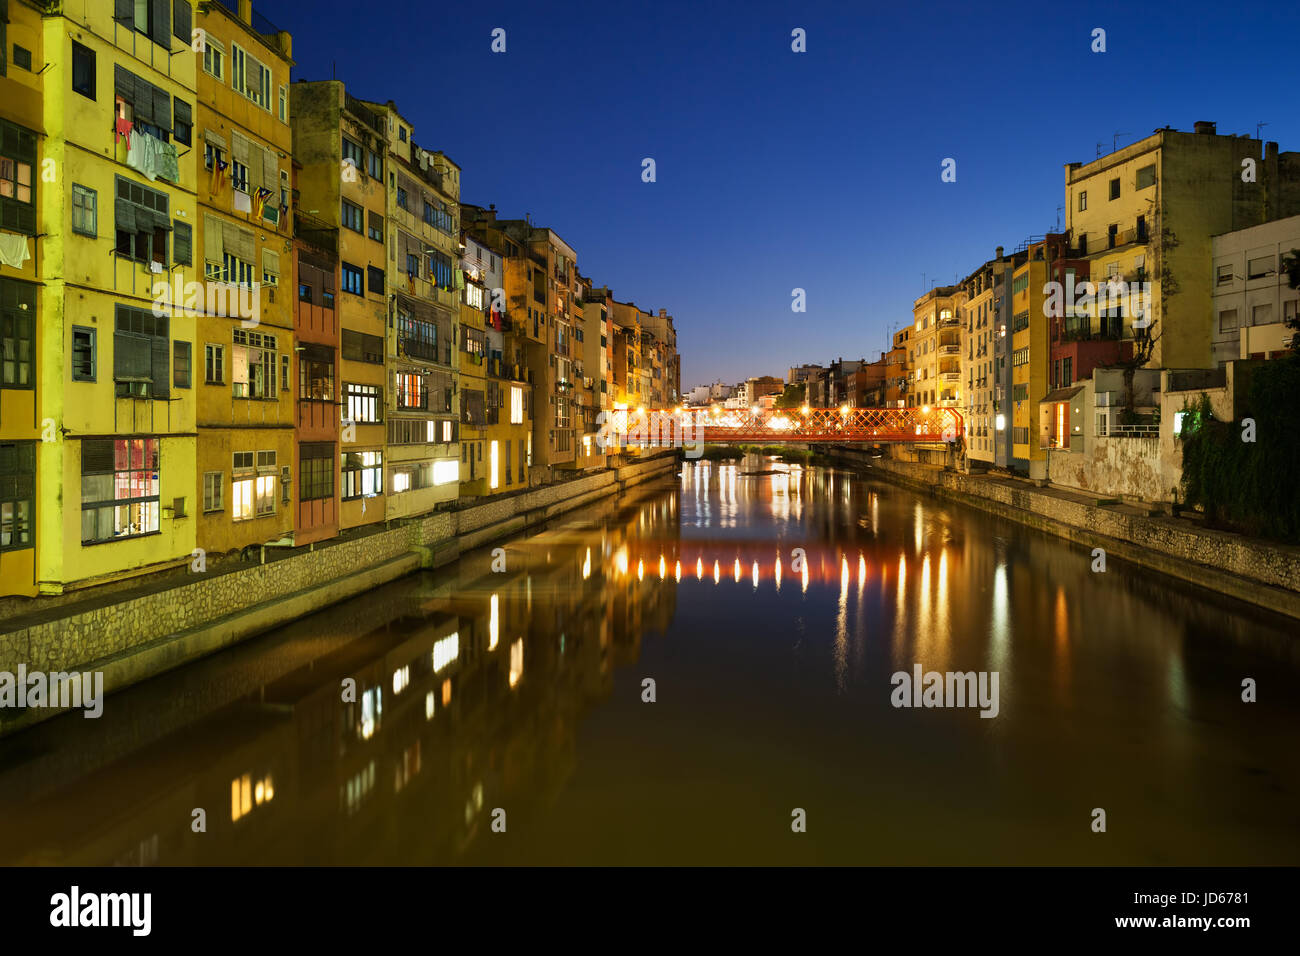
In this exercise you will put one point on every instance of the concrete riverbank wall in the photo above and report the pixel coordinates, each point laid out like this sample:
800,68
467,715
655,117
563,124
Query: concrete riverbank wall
1259,572
130,637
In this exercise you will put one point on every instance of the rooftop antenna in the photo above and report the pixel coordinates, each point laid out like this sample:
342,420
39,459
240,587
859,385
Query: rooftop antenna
1099,148
1059,210
1114,142
1258,127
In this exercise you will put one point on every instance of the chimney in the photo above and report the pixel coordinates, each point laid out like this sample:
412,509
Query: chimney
999,253
1204,127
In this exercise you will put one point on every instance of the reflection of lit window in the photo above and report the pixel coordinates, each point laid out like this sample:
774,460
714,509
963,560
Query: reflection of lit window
516,661
445,651
401,677
428,706
446,692
372,707
494,623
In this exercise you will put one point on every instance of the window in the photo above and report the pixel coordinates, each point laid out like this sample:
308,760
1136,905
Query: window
119,488
1114,188
17,494
401,199
213,489
412,265
376,230
22,57
375,165
440,270
516,405
252,364
284,373
363,474
284,105
416,338
142,222
360,403
253,486
182,122
1227,320
249,77
411,391
181,352
84,211
316,374
352,216
1146,176
238,176
214,58
438,217
401,133
139,102
17,188
315,471
214,364
352,153
183,243
83,70
1261,314
140,354
375,279
352,279
1083,200
83,354
270,268
1224,275
1260,267
359,347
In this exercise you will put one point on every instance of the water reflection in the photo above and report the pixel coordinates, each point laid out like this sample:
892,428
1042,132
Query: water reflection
387,729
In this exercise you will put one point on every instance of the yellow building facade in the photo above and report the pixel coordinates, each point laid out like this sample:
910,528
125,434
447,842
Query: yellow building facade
22,330
117,482
1029,351
246,374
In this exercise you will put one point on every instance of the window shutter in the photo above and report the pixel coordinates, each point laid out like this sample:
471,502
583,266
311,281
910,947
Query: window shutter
182,21
270,171
270,262
161,366
183,244
124,12
239,148
162,23
124,83
162,108
124,215
183,115
214,249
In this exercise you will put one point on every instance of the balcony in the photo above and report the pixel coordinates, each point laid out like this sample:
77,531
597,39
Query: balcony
949,349
418,348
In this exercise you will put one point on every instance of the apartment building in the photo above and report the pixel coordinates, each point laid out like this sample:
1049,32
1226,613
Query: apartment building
935,351
341,145
24,335
1029,348
1147,214
898,369
425,405
111,367
316,330
1253,300
246,409
507,425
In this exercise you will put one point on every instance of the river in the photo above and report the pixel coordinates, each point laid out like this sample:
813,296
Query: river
501,708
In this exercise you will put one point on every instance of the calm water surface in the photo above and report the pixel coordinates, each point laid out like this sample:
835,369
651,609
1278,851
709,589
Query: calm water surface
522,691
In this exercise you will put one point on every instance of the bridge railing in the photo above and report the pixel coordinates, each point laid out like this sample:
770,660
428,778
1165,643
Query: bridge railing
674,427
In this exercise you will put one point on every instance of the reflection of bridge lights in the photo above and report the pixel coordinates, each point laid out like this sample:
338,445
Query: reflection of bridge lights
640,570
699,568
494,614
844,573
586,565
663,567
737,571
717,572
862,568
677,571
755,574
516,661
620,560
778,574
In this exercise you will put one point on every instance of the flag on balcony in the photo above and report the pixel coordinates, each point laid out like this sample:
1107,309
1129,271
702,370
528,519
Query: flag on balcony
259,201
218,176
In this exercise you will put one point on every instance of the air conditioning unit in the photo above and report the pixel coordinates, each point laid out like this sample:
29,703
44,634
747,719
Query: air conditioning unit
137,389
178,507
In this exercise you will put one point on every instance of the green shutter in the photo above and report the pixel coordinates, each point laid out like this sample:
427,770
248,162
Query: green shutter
183,244
182,23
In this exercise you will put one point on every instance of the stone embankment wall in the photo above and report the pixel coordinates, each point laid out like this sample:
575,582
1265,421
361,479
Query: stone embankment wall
1260,572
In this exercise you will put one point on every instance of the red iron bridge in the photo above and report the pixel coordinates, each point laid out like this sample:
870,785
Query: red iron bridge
669,427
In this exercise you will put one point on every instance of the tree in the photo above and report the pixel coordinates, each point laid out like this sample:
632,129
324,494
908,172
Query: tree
791,397
1291,266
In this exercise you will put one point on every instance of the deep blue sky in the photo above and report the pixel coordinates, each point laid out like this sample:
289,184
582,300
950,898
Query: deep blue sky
776,169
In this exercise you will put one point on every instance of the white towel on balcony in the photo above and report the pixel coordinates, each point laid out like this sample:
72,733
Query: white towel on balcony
13,249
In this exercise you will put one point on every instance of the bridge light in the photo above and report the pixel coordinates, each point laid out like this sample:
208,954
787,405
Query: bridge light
844,410
1000,423
925,409
755,409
